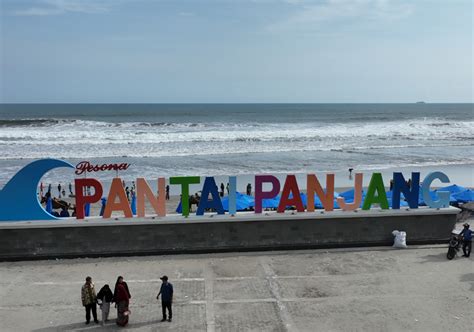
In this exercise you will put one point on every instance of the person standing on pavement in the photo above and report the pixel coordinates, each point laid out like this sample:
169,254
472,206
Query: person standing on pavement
105,296
89,300
122,300
166,292
466,234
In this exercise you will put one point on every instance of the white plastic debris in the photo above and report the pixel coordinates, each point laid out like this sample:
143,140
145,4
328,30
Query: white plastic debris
400,240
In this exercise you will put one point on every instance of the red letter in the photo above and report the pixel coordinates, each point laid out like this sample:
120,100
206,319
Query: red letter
291,186
81,200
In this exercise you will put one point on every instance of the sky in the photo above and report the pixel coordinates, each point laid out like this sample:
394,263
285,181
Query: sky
193,51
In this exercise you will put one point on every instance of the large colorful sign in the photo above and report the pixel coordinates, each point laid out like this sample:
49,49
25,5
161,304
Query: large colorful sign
19,201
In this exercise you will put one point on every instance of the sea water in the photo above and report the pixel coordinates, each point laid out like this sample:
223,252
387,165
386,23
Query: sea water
235,139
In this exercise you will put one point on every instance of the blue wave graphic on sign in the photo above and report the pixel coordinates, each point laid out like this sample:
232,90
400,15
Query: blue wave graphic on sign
19,200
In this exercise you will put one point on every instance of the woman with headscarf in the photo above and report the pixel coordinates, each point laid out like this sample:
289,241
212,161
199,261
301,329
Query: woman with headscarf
122,300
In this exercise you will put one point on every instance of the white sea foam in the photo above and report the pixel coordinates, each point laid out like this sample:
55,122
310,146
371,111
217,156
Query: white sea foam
378,142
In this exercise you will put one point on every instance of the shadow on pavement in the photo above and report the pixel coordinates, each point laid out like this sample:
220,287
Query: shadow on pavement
434,258
110,326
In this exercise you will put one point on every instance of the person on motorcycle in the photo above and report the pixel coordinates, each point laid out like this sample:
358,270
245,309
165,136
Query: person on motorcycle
466,234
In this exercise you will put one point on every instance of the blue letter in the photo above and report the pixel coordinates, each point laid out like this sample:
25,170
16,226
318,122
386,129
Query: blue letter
232,195
443,200
400,185
209,187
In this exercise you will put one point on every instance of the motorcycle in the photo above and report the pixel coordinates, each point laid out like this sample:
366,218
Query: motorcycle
454,245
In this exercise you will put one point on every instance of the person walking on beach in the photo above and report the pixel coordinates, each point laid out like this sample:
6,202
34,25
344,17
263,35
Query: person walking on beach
89,298
122,300
167,197
70,189
166,292
249,189
222,189
59,190
105,296
227,187
466,234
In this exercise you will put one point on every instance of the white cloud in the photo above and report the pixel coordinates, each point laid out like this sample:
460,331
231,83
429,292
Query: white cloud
58,7
310,16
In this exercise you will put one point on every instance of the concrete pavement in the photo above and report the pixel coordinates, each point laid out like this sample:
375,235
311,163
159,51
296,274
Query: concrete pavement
363,289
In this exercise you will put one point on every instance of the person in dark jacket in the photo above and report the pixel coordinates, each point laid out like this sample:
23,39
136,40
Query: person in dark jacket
122,299
166,292
466,234
104,297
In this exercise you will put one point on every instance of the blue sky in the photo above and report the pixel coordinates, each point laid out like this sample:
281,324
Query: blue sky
236,51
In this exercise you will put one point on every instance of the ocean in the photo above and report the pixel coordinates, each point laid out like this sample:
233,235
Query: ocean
236,139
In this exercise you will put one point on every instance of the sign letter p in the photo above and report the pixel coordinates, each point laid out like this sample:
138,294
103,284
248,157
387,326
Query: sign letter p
81,199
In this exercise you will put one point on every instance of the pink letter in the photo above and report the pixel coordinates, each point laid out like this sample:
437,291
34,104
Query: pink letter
260,194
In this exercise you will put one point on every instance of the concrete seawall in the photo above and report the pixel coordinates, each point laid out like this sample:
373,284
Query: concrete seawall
212,233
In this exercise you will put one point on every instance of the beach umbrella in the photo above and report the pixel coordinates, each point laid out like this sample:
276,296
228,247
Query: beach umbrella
102,208
390,195
133,204
49,205
433,196
464,196
247,199
242,202
87,209
349,195
402,203
453,189
317,202
271,203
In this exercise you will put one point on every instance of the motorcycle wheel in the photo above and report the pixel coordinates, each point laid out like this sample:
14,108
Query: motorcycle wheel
450,254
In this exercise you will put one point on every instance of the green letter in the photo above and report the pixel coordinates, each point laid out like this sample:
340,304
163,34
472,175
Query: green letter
376,184
185,181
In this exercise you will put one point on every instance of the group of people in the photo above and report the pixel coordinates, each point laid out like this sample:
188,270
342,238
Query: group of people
121,297
61,190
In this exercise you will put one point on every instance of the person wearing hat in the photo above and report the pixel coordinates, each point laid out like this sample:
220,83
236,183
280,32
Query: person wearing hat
166,292
466,234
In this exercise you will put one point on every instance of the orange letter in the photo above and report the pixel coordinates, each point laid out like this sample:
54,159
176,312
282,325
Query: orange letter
158,204
313,185
116,190
357,195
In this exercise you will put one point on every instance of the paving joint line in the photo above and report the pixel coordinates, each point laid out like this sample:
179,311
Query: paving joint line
285,316
209,296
